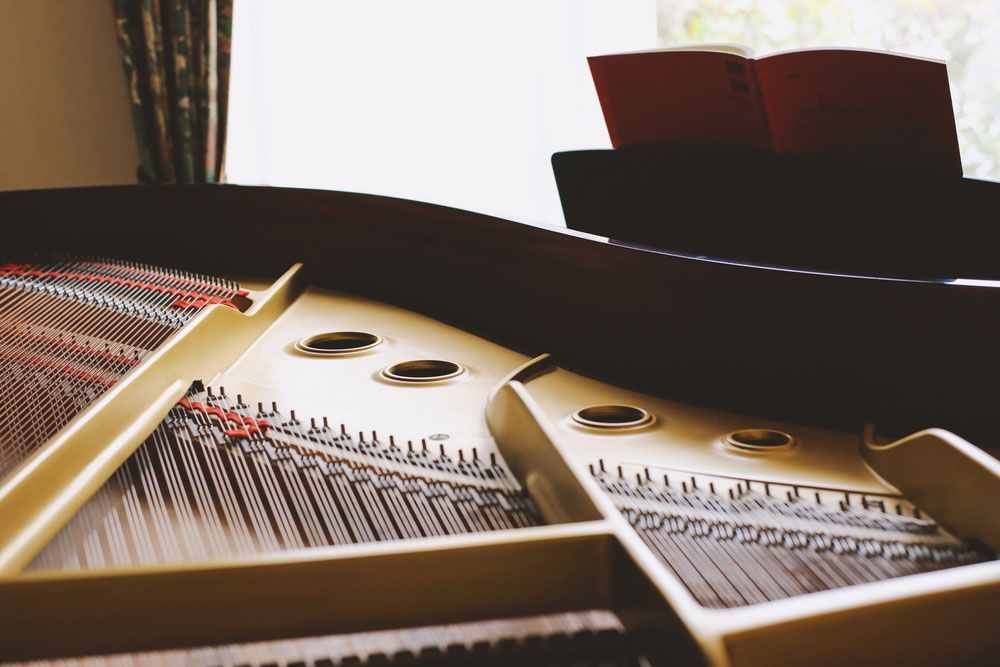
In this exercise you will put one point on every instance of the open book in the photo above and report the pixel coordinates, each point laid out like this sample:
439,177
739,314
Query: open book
870,104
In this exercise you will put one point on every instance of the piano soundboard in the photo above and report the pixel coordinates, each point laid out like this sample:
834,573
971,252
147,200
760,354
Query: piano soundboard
259,470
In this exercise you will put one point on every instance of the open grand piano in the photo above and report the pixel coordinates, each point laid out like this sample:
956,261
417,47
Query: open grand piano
271,426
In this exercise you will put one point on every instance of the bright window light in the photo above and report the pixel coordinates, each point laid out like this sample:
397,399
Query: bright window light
448,101
462,103
963,33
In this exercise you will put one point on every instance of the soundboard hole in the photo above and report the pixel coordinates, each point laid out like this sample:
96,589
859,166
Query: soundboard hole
423,370
760,439
339,342
612,416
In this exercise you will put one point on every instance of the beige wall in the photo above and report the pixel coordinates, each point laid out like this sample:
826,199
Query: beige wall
64,115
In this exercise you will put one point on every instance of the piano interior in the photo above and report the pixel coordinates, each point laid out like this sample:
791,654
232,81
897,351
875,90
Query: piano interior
346,435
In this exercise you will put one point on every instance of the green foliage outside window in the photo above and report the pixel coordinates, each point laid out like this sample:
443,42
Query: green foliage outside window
964,33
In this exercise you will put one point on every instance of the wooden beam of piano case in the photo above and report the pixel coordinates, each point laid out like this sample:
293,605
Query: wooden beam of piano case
833,351
323,590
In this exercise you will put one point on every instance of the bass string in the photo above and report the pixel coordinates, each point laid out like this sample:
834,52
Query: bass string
192,492
54,357
47,379
123,294
138,323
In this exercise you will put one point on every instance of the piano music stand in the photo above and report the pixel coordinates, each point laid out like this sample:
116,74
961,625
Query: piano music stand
823,213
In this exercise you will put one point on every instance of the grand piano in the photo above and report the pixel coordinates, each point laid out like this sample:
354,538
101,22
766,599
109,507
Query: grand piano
248,425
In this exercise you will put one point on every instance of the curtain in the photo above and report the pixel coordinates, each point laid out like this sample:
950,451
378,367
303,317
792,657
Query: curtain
176,57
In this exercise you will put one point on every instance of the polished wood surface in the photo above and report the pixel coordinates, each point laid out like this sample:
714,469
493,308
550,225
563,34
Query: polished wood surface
807,347
838,214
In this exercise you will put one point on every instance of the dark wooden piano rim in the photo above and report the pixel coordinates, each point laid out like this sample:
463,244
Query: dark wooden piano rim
814,348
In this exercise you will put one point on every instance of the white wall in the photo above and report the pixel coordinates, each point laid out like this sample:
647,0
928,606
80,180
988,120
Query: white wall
64,115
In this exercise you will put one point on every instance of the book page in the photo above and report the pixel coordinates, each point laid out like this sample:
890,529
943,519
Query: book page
876,105
680,97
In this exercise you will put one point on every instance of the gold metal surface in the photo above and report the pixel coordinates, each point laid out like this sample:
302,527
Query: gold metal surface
548,424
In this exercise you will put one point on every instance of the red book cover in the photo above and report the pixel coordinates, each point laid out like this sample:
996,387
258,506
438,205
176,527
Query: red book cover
865,103
871,104
699,97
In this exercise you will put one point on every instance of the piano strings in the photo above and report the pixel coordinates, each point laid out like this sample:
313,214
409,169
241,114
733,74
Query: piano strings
748,547
70,329
594,638
218,479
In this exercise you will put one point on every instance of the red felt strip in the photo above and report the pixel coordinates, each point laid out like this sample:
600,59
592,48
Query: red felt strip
200,299
72,346
69,370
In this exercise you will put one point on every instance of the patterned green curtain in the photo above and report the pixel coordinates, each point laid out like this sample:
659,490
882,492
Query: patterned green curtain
176,59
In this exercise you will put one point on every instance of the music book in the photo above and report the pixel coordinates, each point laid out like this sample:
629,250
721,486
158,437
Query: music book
875,105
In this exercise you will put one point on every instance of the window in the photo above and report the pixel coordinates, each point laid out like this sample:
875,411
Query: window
447,101
963,33
463,103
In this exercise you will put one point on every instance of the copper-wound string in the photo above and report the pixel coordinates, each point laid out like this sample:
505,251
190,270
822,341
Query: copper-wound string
71,329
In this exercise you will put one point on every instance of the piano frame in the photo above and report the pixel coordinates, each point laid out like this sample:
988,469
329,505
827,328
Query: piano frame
828,351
